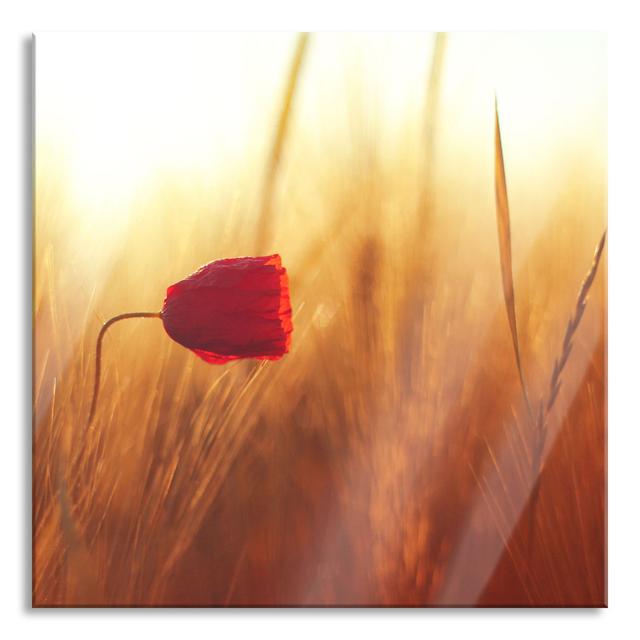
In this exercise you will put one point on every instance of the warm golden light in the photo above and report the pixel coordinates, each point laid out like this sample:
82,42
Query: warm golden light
388,456
121,112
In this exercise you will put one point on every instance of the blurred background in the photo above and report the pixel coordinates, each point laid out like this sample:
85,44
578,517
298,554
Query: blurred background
389,458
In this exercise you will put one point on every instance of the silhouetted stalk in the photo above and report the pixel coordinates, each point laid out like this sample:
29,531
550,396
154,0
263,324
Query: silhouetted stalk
554,385
506,266
103,330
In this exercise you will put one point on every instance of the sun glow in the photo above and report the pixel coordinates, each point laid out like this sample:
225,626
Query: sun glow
120,112
387,458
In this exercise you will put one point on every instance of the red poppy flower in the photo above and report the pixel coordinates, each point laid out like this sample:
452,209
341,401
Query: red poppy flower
231,309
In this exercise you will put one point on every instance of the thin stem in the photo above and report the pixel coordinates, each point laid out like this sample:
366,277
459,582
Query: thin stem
265,223
556,381
103,330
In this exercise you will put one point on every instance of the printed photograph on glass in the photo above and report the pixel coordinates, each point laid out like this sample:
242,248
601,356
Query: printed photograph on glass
320,319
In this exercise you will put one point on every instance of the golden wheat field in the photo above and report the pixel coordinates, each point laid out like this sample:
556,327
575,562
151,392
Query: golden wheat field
391,457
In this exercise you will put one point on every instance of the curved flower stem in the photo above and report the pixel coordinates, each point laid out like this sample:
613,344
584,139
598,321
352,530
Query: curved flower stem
105,326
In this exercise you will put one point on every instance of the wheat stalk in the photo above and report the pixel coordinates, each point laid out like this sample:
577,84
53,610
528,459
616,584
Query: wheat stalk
573,324
539,423
555,380
430,125
264,227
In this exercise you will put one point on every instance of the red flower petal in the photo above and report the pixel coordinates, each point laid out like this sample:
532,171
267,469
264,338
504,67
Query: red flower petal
232,308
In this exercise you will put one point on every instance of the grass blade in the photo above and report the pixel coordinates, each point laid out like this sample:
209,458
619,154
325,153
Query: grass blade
504,241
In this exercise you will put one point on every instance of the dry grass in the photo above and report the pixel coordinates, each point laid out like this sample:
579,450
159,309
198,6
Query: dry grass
537,425
386,459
